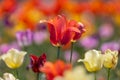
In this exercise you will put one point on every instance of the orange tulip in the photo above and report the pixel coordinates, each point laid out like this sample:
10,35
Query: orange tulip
55,69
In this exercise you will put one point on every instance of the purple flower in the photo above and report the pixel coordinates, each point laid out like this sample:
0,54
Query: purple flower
75,56
5,47
110,45
40,37
89,42
106,31
7,22
24,38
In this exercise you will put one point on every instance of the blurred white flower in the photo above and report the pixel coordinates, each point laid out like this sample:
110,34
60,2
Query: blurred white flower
8,76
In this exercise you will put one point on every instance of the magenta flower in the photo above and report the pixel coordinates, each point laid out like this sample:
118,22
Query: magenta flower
5,47
67,54
110,45
89,42
106,31
24,38
40,37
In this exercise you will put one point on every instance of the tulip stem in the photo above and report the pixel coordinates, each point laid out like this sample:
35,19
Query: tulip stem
95,76
71,52
16,73
108,78
38,76
58,53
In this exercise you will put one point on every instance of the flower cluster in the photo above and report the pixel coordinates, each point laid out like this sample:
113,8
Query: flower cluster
94,60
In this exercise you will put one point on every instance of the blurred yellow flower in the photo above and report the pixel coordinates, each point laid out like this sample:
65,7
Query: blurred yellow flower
110,58
8,76
78,73
93,60
13,58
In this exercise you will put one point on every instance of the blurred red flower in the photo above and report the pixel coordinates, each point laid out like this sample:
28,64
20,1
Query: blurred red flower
37,62
8,5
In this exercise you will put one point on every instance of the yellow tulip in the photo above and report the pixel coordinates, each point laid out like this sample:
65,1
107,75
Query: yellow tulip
8,76
93,60
110,58
13,58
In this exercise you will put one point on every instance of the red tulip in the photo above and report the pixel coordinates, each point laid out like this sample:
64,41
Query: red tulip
37,62
61,31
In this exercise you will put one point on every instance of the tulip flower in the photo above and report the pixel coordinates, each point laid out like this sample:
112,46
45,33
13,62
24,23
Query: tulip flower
13,58
60,30
53,70
37,62
75,35
8,76
110,58
93,60
24,38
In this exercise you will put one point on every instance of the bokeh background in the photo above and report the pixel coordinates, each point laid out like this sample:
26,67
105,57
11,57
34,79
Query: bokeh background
100,17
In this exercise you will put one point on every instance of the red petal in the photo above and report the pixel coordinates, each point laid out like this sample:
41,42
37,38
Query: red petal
42,60
66,37
33,59
60,23
76,28
53,35
80,26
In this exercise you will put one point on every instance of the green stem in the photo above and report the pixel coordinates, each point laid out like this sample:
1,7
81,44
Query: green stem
58,52
16,73
71,52
108,78
95,76
37,76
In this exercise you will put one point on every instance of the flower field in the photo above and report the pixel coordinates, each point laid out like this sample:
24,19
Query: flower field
59,39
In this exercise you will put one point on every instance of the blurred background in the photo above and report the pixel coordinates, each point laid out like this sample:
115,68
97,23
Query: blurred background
100,17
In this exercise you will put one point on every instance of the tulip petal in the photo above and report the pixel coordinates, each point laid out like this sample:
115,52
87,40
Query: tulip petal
60,25
13,58
80,26
66,37
37,62
42,59
33,59
53,35
79,29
